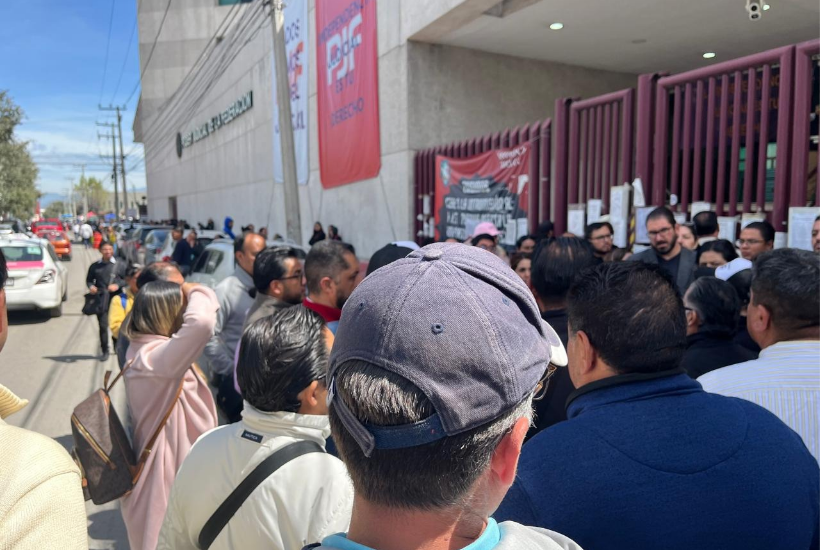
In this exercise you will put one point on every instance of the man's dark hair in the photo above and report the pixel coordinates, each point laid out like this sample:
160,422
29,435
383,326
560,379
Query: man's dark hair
742,283
279,356
521,240
722,247
179,229
633,315
155,271
557,261
766,230
239,243
106,244
131,270
785,281
326,259
4,271
706,223
662,212
270,265
591,228
715,302
434,476
545,230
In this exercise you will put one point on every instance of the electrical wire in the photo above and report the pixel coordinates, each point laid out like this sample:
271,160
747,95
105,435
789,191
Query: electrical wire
151,53
124,61
207,78
107,49
165,116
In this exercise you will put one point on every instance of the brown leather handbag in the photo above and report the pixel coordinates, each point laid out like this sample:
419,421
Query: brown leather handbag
107,462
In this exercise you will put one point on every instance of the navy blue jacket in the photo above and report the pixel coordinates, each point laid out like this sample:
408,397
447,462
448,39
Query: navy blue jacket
654,462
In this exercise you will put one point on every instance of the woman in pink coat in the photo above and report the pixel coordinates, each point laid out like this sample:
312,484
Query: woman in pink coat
168,329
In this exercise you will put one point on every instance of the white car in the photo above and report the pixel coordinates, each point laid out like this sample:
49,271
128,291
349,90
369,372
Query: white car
37,279
217,261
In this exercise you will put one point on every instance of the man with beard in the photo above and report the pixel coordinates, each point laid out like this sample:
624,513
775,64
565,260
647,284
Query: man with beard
666,251
332,271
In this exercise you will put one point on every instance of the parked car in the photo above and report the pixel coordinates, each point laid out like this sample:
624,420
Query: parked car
37,279
59,240
203,238
217,261
130,248
152,245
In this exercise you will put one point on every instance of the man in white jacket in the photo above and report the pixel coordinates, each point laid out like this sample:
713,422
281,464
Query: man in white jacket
281,371
436,362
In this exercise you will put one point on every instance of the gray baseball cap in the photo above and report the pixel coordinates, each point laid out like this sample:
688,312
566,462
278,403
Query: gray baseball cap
460,325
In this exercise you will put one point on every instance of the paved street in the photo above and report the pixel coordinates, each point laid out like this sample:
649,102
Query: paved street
53,363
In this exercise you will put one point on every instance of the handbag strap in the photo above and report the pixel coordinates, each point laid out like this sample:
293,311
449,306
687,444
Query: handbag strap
147,450
231,505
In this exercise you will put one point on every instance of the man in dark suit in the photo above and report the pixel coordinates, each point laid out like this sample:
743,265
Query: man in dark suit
106,277
666,251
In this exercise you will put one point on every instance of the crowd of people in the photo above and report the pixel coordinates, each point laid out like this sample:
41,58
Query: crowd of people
563,394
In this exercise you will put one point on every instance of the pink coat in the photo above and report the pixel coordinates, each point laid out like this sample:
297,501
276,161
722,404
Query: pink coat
151,384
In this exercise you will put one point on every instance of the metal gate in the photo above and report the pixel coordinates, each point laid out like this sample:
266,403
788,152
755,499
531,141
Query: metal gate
593,149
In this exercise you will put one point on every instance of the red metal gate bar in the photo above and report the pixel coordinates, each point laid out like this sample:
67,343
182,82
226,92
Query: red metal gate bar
546,170
615,145
750,139
735,158
574,151
589,169
686,181
803,65
724,119
763,152
561,135
605,156
676,120
698,143
709,189
627,139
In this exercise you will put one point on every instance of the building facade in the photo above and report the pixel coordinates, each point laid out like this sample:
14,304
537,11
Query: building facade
447,70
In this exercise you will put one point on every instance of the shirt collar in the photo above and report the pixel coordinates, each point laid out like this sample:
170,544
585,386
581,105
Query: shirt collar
302,426
788,346
113,260
329,314
488,540
626,386
244,277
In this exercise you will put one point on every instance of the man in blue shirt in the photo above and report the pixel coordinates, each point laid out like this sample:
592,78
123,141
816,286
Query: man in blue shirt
647,459
436,362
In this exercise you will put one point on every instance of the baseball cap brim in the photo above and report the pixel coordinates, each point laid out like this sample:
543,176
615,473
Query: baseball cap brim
558,354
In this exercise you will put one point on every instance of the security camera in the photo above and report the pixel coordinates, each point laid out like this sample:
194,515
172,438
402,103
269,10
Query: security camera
755,9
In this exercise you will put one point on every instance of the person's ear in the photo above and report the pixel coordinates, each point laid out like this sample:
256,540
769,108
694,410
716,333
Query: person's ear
309,397
692,319
326,284
504,461
585,355
758,318
275,289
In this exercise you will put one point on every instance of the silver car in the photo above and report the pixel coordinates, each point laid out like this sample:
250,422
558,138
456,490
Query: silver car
217,261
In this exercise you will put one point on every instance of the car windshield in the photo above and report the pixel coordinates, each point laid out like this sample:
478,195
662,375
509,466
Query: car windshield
24,253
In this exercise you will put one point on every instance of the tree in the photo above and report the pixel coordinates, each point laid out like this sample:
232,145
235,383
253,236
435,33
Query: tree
55,210
93,189
18,172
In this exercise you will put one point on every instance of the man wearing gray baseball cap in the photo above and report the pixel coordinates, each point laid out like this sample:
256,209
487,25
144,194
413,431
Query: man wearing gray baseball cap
437,360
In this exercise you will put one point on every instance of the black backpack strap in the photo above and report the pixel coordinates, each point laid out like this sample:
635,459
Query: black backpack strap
227,509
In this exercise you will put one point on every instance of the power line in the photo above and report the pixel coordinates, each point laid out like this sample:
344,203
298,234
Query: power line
209,76
150,54
200,62
125,61
107,48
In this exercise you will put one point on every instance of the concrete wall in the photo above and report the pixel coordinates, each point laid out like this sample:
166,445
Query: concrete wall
457,94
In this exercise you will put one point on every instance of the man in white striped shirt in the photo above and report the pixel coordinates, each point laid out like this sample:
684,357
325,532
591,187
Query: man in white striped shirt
784,319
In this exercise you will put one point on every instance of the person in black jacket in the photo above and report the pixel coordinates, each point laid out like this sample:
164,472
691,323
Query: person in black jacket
182,254
105,278
556,264
712,309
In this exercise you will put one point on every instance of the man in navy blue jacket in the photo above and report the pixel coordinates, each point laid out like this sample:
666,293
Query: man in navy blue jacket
647,459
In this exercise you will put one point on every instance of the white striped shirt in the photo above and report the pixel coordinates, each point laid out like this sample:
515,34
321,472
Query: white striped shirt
785,379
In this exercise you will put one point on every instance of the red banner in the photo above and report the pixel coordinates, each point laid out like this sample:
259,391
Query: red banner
490,187
348,86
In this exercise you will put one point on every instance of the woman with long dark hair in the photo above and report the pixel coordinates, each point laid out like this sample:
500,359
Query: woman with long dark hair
168,329
318,234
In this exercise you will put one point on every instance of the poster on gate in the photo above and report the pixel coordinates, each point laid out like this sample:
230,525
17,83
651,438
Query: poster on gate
348,91
490,187
297,54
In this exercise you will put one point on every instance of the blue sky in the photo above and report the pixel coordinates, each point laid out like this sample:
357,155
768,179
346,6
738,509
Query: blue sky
53,64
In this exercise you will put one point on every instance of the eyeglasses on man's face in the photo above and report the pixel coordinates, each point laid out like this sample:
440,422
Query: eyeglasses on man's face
544,383
600,238
750,242
659,232
298,275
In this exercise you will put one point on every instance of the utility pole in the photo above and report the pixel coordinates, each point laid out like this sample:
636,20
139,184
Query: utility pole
84,189
118,109
114,169
71,196
292,212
